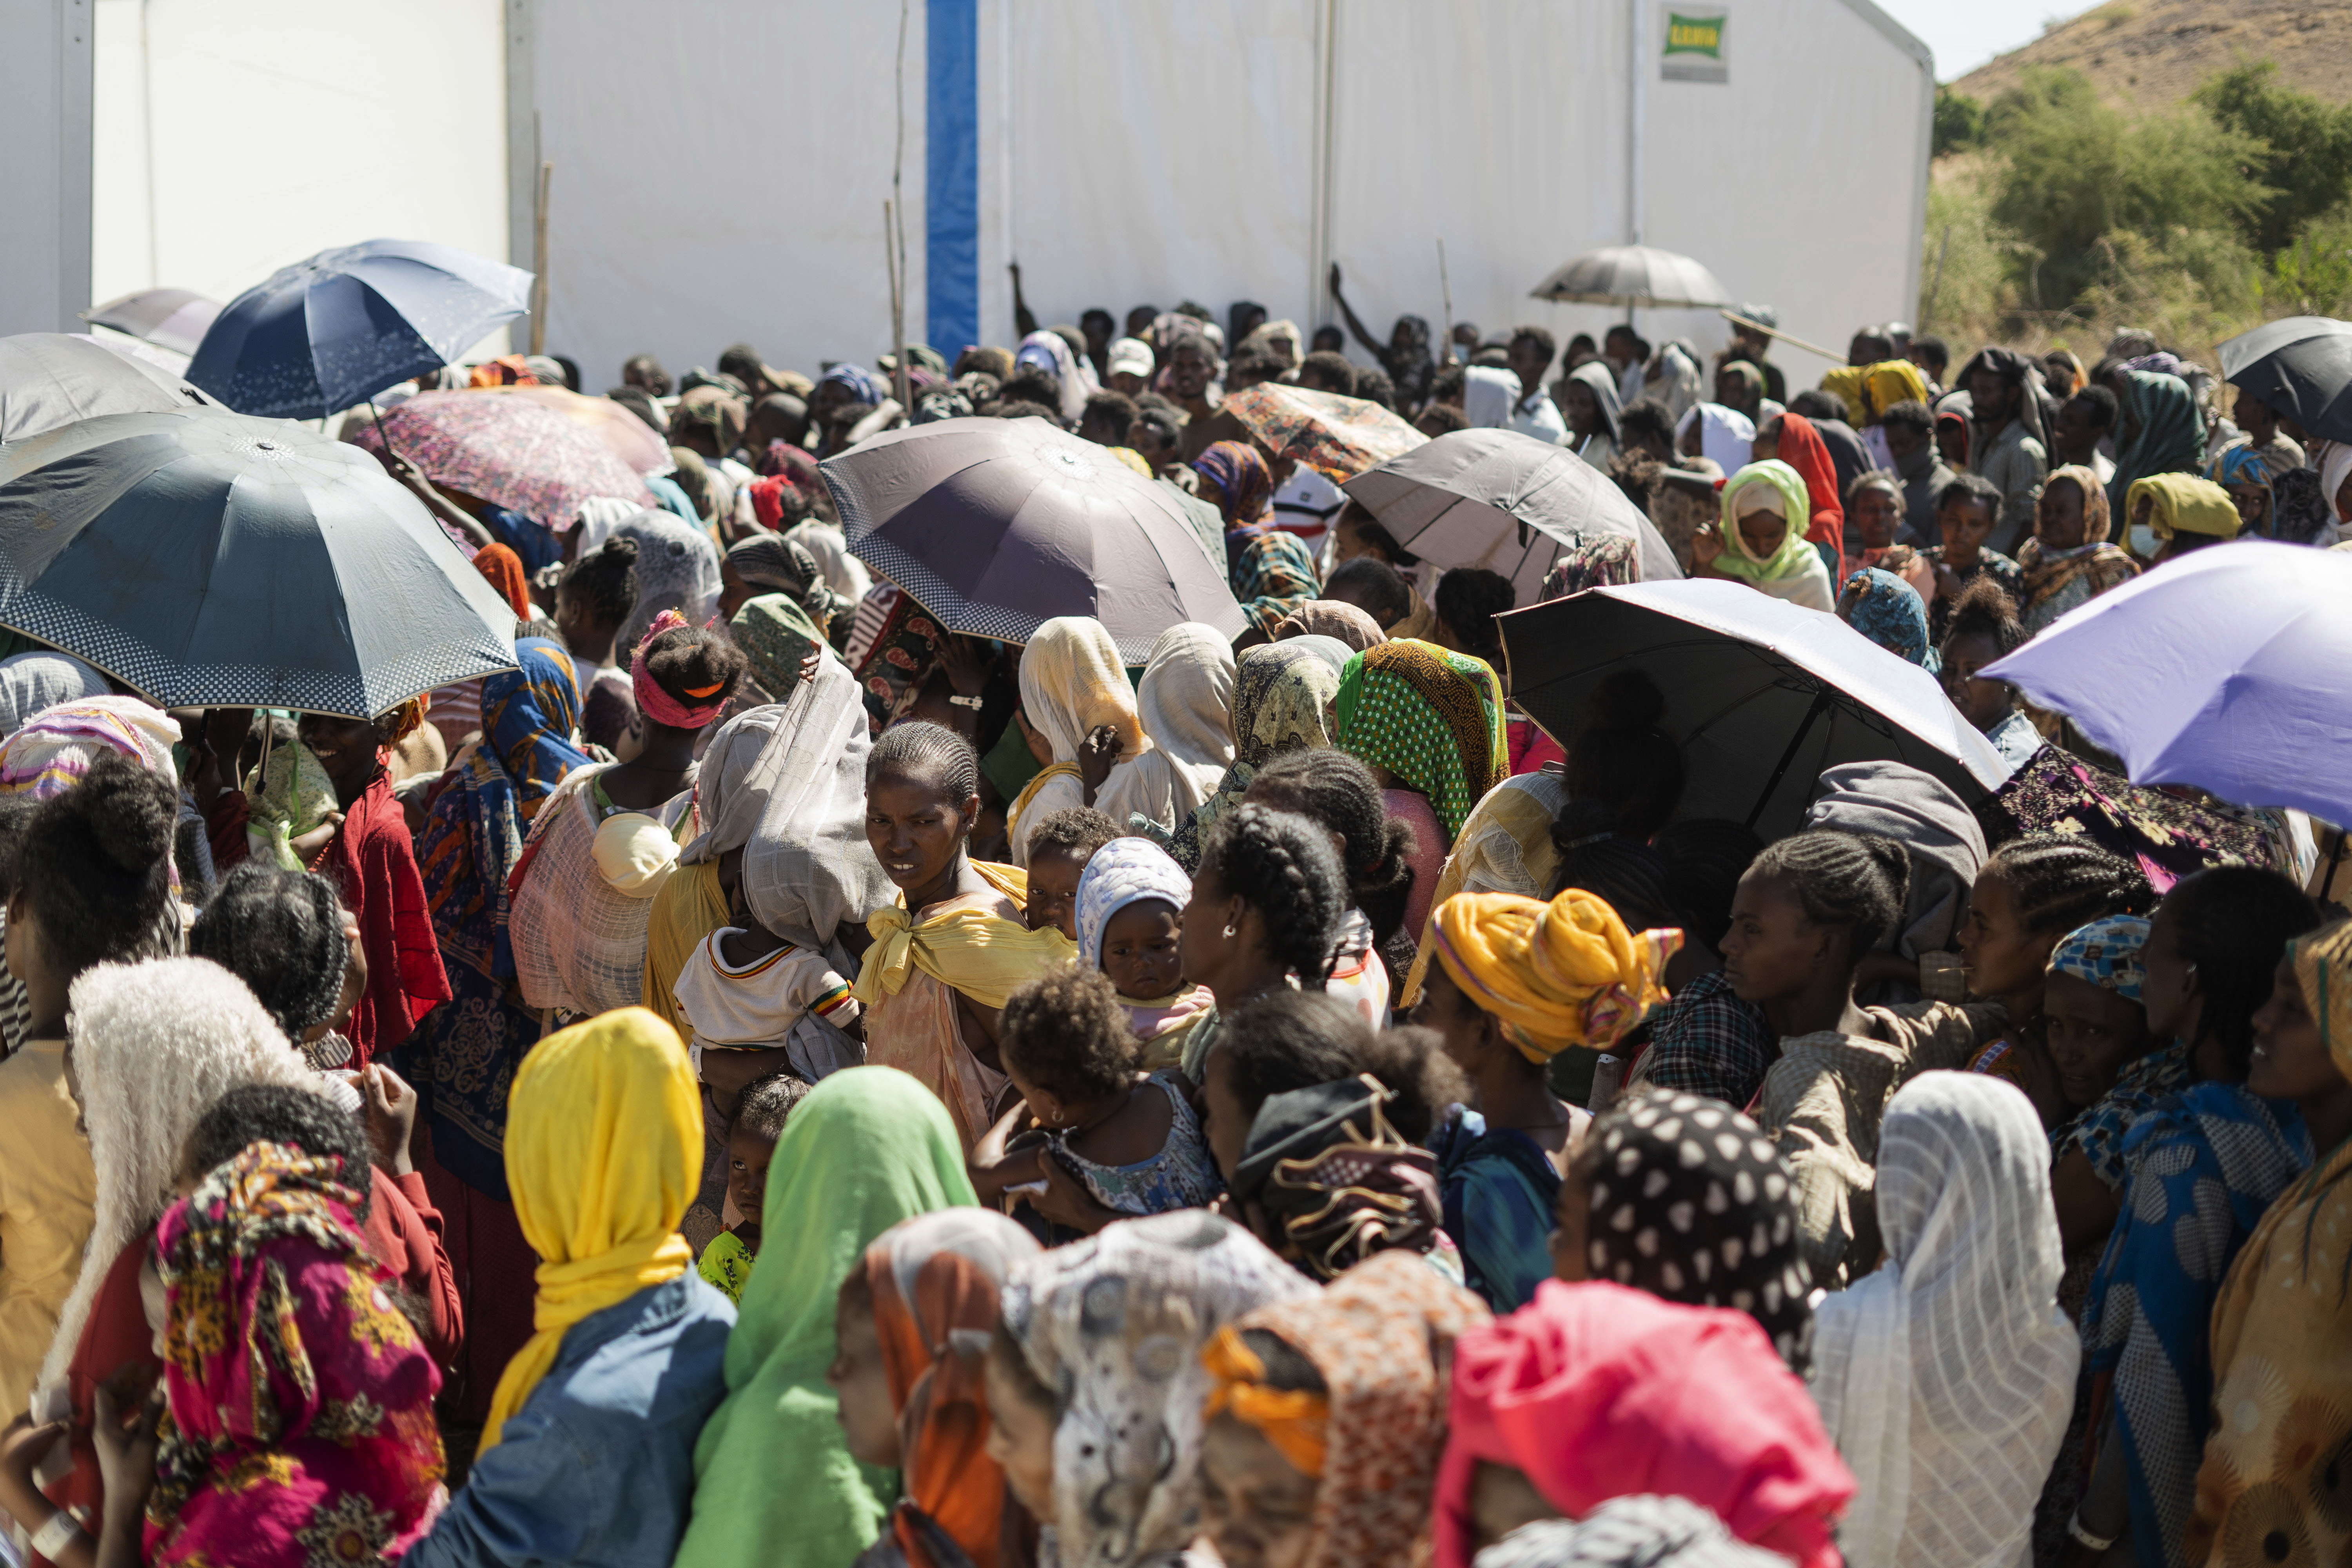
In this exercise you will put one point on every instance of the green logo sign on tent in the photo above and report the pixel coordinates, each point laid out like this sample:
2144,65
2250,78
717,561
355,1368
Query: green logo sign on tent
1693,48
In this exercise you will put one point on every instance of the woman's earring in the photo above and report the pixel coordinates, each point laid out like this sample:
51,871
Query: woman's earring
1230,931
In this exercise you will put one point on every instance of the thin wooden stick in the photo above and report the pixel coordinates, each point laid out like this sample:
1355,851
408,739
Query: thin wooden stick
1737,320
539,259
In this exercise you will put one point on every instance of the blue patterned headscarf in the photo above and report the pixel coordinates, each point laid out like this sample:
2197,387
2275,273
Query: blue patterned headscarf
1124,871
1889,612
857,381
2107,953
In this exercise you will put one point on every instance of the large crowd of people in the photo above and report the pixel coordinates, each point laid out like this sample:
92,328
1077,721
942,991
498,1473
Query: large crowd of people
768,1079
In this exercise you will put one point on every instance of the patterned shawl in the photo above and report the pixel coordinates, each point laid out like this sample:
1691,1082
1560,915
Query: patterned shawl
2171,438
1888,611
1241,484
1431,717
298,1423
1281,693
1273,575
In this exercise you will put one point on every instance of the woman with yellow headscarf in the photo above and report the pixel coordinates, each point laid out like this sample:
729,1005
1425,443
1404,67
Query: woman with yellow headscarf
1517,981
589,1451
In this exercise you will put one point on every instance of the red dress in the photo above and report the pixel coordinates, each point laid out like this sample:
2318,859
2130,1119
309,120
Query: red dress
372,862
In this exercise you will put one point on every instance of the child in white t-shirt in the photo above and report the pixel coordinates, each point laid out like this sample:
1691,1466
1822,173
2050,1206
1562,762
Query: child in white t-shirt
746,988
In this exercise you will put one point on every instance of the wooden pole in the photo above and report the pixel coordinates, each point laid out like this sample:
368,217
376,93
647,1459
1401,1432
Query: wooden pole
539,264
1736,319
1446,290
898,311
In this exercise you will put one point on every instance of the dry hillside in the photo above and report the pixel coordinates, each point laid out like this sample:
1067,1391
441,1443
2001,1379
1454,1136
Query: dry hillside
2155,52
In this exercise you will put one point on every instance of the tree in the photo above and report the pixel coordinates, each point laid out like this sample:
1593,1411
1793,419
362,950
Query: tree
1959,121
2306,156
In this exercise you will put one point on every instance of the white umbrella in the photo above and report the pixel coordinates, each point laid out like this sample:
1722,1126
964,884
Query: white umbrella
1503,501
173,319
2222,669
1761,695
1635,274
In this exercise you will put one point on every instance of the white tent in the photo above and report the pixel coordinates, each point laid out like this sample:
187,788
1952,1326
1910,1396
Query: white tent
719,168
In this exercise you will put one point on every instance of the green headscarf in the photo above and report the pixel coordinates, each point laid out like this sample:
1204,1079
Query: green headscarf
1432,717
2170,437
775,634
1796,504
774,1480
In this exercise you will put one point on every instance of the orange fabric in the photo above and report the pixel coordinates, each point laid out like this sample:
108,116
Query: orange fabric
942,1400
1295,1421
504,569
1802,448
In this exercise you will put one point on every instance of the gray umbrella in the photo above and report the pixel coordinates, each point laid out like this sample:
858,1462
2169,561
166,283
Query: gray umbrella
1504,502
214,560
174,319
998,525
1633,275
51,379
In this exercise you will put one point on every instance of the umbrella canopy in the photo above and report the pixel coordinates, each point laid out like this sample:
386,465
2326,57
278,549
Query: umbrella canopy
51,379
213,561
2300,367
173,319
336,330
631,438
2227,657
1336,436
996,526
1633,275
511,451
1504,502
1761,695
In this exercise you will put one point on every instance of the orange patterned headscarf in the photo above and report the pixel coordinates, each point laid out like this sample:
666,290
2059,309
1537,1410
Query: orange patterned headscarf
936,1280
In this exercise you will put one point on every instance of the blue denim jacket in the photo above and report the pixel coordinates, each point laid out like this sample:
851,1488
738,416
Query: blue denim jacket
597,1467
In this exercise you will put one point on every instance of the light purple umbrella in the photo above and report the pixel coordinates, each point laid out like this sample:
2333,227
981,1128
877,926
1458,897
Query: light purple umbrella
2223,670
996,526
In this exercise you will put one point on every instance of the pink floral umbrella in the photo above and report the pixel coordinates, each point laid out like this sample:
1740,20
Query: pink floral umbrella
631,439
511,451
1336,436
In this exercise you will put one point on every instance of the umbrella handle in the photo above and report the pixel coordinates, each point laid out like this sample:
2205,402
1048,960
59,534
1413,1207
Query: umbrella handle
382,434
1821,706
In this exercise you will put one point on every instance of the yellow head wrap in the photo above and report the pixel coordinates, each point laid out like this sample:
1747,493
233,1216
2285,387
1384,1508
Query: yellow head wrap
2323,966
1292,1419
603,1153
2184,504
1554,975
1890,382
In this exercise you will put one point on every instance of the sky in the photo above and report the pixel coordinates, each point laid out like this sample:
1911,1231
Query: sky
1967,33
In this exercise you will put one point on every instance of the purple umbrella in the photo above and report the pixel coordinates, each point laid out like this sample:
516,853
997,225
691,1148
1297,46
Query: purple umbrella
996,526
2228,661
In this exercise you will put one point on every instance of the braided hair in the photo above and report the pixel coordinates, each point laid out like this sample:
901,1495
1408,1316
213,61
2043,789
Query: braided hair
281,932
94,867
2233,923
1628,875
1855,881
2058,882
1335,789
1281,865
914,748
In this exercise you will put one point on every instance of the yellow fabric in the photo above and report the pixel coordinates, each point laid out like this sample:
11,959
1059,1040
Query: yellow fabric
1504,845
2322,965
603,1153
1071,681
1890,382
688,908
1133,459
1554,975
1420,621
1293,1420
1850,382
1029,792
48,1194
2184,504
985,956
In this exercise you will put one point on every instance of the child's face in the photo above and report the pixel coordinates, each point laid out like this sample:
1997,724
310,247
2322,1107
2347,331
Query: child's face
748,1155
1874,516
1053,890
1984,703
861,1386
1140,950
1021,1439
1966,525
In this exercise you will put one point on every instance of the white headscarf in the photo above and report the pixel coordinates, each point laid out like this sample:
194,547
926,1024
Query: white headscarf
1489,393
30,682
2332,470
1672,378
1124,871
154,1046
600,515
1048,352
1726,437
1947,1376
1186,701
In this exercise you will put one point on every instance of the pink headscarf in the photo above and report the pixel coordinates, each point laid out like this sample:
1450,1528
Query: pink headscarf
1596,1392
658,705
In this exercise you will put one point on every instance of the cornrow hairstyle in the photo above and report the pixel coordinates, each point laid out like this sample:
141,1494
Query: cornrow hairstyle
2233,923
762,1109
1984,609
1065,1033
1620,758
94,868
1705,858
281,932
1077,831
279,1113
1468,600
915,749
1628,875
696,666
1335,789
606,578
1856,880
1281,865
2058,881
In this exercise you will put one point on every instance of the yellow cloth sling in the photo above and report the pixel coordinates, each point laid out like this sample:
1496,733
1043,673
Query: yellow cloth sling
984,956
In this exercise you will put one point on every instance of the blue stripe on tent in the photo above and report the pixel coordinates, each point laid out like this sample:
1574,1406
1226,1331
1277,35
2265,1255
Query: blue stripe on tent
952,185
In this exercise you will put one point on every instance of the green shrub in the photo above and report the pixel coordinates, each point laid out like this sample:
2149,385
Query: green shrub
2305,158
1959,121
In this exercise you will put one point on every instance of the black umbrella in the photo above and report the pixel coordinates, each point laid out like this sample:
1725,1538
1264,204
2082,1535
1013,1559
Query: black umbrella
214,560
2300,368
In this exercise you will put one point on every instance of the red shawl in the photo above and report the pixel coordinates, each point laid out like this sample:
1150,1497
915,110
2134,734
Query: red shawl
503,568
1802,448
372,864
